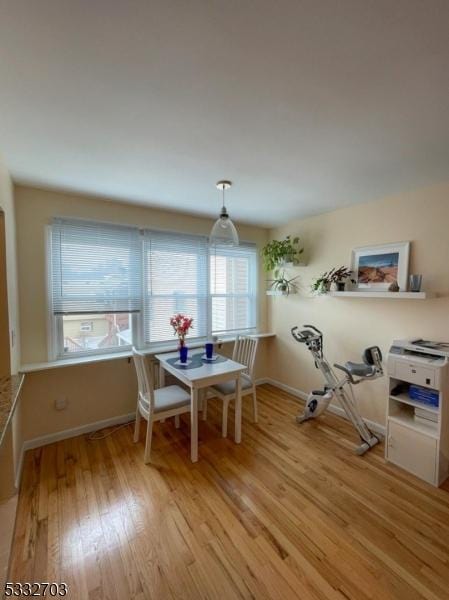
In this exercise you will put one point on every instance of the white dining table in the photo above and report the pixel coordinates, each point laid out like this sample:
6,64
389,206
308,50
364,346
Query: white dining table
200,377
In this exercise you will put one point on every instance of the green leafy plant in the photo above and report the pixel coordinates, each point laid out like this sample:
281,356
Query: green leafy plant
281,284
322,284
278,252
340,275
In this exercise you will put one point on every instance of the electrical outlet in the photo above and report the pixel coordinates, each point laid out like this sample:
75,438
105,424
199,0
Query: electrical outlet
61,404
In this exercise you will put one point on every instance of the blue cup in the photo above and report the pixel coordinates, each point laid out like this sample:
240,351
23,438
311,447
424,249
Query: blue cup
209,350
183,351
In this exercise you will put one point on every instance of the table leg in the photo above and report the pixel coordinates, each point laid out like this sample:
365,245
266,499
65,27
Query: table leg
200,399
194,425
238,411
161,375
204,403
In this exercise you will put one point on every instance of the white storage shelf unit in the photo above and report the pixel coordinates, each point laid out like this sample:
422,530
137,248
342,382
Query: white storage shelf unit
419,446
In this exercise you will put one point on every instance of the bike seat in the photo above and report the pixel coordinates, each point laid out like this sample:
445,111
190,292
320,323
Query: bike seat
360,369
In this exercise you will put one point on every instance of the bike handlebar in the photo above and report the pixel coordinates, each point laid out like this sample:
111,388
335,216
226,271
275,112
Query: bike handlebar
314,328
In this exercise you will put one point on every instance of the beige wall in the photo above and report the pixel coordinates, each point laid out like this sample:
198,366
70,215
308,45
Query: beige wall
350,325
101,390
93,392
35,209
9,338
9,360
5,363
7,206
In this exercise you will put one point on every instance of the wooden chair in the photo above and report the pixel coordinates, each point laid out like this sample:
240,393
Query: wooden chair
245,351
155,405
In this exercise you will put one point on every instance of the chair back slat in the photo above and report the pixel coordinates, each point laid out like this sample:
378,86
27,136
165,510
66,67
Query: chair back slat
144,378
245,350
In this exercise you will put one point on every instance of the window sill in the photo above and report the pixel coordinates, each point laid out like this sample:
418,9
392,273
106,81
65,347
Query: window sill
85,360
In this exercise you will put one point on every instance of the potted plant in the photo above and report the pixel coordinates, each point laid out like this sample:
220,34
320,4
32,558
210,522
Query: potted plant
335,276
279,252
281,284
321,285
340,276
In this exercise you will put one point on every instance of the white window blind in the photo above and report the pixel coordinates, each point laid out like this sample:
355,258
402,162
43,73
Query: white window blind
233,288
176,281
96,268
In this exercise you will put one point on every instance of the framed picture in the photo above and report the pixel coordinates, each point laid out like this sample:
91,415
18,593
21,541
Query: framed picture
377,267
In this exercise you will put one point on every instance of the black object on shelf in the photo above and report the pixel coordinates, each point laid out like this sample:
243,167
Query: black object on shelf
401,388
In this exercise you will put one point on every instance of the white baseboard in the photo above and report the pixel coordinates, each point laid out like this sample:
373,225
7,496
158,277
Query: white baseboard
65,434
69,433
375,427
263,380
284,387
332,408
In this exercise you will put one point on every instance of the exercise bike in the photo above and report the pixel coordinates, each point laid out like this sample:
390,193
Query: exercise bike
354,373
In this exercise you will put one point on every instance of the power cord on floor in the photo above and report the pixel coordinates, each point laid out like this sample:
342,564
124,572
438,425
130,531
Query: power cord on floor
95,436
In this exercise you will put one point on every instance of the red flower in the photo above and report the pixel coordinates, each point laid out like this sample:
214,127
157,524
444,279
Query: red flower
181,324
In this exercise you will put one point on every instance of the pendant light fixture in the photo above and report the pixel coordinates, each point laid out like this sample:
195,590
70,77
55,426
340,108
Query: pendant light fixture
224,231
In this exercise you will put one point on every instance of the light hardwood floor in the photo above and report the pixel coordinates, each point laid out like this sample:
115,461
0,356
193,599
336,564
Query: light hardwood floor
290,513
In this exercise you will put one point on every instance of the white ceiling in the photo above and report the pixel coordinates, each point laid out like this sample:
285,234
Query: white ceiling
307,105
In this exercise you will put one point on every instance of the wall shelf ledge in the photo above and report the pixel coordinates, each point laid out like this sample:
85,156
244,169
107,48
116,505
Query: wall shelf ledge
384,294
279,293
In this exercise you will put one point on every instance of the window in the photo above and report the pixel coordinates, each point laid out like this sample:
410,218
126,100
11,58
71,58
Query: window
103,332
96,276
113,287
176,280
233,288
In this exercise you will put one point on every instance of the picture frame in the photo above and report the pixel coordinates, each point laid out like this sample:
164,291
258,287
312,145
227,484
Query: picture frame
375,268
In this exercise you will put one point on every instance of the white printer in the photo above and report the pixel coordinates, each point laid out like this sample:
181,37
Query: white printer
418,361
418,445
